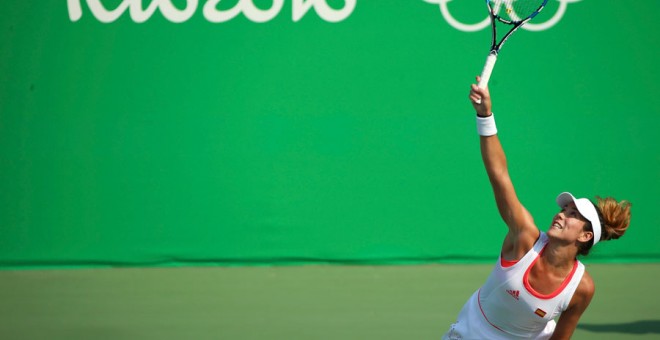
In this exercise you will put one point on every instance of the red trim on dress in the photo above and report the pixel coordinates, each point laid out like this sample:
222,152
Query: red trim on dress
506,263
484,314
531,290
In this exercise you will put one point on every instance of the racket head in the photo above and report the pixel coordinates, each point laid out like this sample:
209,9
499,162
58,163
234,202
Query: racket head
515,12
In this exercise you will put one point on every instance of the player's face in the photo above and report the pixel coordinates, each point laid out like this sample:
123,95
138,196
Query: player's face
568,224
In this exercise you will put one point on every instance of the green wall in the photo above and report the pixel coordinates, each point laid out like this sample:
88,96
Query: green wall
325,135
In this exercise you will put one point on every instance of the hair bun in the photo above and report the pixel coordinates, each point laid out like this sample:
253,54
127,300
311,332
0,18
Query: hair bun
616,217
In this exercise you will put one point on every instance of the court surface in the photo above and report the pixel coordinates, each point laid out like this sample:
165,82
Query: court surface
289,302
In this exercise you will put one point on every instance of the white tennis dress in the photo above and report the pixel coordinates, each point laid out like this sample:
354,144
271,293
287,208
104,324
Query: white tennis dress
507,307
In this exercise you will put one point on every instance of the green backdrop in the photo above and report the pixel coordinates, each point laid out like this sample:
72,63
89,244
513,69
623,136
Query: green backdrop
295,131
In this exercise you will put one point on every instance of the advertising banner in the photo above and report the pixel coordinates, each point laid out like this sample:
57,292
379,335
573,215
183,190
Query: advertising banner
159,132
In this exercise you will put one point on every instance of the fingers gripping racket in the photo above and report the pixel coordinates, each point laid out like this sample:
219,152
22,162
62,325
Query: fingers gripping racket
514,13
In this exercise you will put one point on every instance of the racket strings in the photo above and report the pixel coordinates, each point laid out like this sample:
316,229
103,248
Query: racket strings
512,11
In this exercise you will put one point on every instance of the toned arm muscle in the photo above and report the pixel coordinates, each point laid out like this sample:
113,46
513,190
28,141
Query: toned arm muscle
569,318
522,230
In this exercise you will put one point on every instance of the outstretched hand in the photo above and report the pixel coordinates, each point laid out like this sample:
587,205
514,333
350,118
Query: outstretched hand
485,106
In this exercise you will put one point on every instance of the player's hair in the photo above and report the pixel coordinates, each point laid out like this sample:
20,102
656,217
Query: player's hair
614,218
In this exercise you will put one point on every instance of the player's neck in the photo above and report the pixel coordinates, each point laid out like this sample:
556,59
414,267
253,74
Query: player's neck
559,256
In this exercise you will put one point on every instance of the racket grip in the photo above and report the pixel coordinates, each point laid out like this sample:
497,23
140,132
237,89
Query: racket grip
487,71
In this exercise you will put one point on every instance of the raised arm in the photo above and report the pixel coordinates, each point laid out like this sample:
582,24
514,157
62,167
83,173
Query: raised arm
522,230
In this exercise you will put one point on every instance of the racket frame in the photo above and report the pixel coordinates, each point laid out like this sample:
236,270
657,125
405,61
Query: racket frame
495,46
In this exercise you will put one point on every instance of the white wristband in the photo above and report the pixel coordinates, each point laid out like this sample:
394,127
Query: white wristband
486,126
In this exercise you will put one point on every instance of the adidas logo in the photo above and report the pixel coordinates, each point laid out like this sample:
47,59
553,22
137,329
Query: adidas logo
514,293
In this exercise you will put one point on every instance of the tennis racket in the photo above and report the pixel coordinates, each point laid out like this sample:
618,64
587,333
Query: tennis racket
513,13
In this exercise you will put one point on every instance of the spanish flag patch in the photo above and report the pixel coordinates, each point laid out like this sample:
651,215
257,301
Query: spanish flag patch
540,312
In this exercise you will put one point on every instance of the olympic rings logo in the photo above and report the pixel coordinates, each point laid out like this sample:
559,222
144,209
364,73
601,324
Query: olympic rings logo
444,9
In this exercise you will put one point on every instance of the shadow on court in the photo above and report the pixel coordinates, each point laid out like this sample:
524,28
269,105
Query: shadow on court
635,327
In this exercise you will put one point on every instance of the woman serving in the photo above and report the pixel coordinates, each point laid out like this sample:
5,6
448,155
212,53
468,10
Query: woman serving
538,289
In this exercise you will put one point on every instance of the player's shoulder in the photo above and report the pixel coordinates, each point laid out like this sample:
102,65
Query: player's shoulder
519,242
586,287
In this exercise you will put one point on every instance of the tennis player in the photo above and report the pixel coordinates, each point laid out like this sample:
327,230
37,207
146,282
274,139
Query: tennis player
538,289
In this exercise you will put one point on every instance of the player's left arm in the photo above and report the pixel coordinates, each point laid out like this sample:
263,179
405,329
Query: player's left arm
569,318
